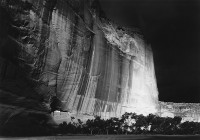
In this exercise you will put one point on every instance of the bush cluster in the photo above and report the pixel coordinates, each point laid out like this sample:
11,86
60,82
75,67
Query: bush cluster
130,123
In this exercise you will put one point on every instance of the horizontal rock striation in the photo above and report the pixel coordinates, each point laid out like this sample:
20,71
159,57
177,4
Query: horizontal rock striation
187,111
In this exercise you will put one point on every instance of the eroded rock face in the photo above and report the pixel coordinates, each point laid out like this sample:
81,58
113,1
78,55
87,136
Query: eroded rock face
187,111
64,48
24,41
103,70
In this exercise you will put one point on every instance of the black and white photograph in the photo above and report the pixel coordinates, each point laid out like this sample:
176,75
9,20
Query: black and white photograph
100,69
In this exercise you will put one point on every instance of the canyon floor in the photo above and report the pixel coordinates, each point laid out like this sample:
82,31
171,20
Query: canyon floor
111,137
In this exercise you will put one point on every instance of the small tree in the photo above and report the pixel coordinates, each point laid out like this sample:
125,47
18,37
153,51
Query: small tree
90,125
108,125
149,119
141,123
176,123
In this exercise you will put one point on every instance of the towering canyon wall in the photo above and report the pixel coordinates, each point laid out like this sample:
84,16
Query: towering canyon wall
103,69
69,50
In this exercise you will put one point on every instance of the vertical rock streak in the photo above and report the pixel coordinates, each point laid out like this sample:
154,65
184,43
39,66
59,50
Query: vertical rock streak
101,73
66,49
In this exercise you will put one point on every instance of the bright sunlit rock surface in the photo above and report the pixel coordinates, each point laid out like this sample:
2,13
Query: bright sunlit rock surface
68,49
103,68
187,111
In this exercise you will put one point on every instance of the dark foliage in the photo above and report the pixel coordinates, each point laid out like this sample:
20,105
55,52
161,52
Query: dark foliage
130,123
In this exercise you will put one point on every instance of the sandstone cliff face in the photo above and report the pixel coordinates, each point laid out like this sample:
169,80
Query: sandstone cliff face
64,48
24,44
103,70
187,111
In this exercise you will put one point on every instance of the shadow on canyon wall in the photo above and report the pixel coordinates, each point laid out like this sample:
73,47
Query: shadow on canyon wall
23,110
